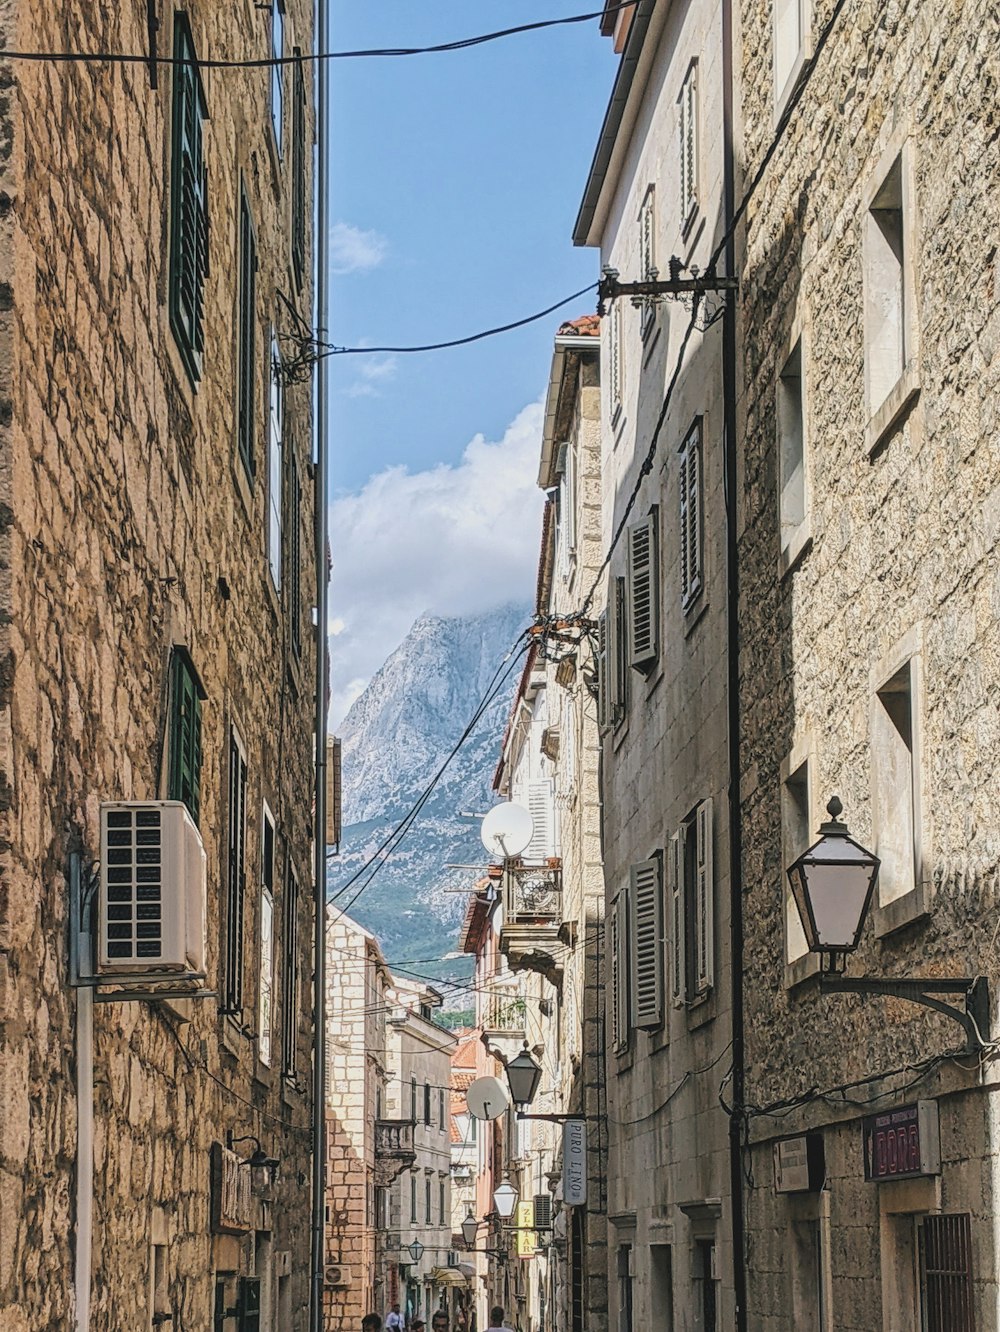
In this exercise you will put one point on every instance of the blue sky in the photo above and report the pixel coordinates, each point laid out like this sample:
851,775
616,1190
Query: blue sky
455,183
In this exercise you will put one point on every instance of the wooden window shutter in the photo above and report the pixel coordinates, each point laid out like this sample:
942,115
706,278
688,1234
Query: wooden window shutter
290,976
569,516
647,944
704,899
619,653
188,203
541,807
184,771
295,554
689,145
235,877
647,252
690,489
246,367
603,663
299,170
643,618
619,953
675,890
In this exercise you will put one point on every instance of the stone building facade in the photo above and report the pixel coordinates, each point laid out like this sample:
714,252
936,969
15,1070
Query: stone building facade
653,206
870,625
156,518
550,763
357,991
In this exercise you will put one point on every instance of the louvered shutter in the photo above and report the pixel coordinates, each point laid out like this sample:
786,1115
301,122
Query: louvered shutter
689,146
541,807
603,663
247,335
619,971
189,203
299,170
691,516
184,772
295,554
646,246
704,899
675,889
290,976
643,623
569,489
618,653
647,944
235,876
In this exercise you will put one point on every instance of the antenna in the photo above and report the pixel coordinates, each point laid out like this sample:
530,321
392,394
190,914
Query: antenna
507,829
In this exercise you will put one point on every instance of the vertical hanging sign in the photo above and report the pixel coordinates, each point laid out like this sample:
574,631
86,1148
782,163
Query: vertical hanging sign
574,1163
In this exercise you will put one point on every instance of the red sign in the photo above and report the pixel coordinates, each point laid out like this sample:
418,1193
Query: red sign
902,1143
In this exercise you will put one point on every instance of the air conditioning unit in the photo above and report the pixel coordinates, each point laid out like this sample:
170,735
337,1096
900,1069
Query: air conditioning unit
152,888
334,1275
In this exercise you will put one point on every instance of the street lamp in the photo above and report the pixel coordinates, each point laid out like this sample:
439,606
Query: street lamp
833,883
523,1076
469,1228
505,1199
416,1251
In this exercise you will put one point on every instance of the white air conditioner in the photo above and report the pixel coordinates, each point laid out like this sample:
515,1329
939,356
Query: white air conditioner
152,888
333,1275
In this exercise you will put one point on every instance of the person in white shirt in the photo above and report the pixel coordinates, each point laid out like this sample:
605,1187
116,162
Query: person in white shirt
496,1320
394,1320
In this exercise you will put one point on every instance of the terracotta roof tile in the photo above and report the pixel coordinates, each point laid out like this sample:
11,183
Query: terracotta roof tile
587,326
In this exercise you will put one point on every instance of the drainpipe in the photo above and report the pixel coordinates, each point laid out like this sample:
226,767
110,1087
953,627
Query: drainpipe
80,947
318,1237
729,371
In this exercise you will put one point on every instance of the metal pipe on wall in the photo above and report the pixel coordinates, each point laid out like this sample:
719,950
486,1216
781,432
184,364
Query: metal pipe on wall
318,1237
79,947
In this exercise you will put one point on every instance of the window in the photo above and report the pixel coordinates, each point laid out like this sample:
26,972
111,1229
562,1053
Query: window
808,1284
188,204
274,469
567,748
290,976
160,1306
889,288
692,906
615,359
945,1242
662,1281
705,1279
265,1013
647,259
624,1266
235,876
566,510
791,448
299,148
646,942
541,806
427,1106
413,1098
246,334
295,554
796,832
691,515
618,953
184,775
427,1201
643,594
895,784
413,1197
470,1131
790,18
689,147
441,1109
277,70
441,1201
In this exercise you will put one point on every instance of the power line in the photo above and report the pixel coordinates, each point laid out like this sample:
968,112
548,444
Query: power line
299,58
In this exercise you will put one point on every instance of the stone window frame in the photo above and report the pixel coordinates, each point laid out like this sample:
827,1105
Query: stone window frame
803,752
804,53
883,417
914,903
799,543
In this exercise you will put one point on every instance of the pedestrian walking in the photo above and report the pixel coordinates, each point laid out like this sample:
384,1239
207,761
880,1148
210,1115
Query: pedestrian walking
394,1321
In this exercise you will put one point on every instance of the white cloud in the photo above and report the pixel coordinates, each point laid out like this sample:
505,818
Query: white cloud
372,372
451,540
353,250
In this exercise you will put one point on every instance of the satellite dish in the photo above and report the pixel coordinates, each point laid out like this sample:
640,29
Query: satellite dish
506,830
486,1098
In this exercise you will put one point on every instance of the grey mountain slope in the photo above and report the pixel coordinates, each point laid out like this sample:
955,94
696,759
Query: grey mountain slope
394,738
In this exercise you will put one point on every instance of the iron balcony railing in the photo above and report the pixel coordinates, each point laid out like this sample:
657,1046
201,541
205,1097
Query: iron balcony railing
505,1012
533,893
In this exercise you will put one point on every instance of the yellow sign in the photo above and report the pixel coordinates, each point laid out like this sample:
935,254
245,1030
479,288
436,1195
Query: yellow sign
527,1240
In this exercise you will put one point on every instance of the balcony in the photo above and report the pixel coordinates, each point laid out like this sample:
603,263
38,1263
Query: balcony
532,918
394,1150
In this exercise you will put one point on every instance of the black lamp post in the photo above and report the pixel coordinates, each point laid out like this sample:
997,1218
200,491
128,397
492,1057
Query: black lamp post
470,1227
833,883
523,1076
416,1251
505,1198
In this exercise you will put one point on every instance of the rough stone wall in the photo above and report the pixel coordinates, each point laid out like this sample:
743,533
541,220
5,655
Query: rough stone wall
122,531
904,543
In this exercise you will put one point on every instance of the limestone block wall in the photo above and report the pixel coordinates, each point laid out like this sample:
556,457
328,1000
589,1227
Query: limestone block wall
124,530
901,566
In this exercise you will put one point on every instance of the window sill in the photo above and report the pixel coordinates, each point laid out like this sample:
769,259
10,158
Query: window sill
900,912
624,1061
801,969
694,612
896,405
231,1035
274,153
791,82
244,486
617,423
796,551
702,1010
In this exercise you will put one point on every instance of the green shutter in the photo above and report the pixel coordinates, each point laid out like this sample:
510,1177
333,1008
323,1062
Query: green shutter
188,204
184,780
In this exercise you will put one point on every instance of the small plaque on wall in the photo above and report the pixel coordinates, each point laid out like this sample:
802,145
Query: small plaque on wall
799,1164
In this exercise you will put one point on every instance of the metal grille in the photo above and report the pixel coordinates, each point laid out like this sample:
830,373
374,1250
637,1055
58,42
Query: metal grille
946,1273
134,884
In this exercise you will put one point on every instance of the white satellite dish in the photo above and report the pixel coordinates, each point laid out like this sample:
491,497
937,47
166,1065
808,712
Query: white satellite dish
486,1098
506,830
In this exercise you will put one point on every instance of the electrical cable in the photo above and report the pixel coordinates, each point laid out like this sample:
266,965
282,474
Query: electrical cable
303,57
